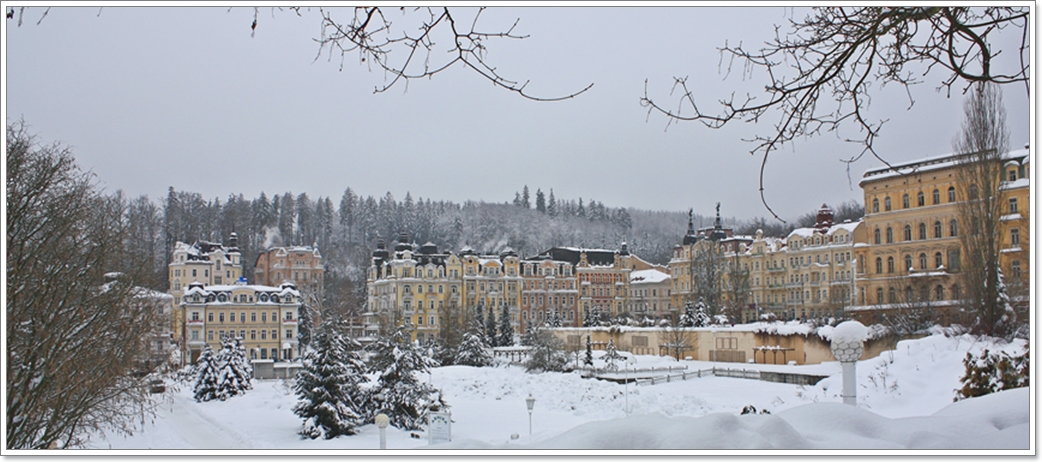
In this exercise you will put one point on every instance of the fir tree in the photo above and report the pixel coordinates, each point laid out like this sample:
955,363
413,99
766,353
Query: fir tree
588,359
525,202
530,334
611,356
701,316
235,371
551,205
581,211
479,318
490,328
587,319
540,201
398,393
473,351
506,331
547,354
687,318
207,376
329,394
304,326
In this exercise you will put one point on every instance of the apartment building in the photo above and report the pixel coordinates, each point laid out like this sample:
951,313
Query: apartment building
301,265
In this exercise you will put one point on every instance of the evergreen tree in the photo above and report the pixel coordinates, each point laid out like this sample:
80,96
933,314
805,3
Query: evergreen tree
588,359
581,211
473,351
304,322
207,376
551,205
687,318
506,331
540,201
235,371
701,315
588,320
528,339
398,393
479,318
490,328
553,319
328,388
525,198
611,356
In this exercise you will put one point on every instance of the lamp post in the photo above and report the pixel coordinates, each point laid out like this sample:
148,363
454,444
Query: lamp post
530,402
848,342
627,381
381,421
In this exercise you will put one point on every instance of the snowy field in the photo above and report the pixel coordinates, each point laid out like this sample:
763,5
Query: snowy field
904,403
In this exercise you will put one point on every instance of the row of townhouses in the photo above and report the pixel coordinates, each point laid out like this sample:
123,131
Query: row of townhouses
906,247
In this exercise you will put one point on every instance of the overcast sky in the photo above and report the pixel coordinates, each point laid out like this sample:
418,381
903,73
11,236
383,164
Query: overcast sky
156,97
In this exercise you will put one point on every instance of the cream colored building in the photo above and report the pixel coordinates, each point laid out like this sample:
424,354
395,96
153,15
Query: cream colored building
202,263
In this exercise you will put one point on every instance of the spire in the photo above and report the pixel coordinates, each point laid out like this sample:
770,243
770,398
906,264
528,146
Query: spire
690,237
718,232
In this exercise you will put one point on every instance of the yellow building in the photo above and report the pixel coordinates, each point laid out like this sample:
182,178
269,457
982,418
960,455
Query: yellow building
913,224
205,263
1015,256
264,317
492,282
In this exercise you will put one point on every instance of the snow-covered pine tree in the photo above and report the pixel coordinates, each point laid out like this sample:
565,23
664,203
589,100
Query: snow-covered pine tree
701,316
588,359
207,376
687,318
479,318
328,388
587,320
490,327
473,351
235,373
611,356
528,339
506,331
304,326
398,393
547,354
553,320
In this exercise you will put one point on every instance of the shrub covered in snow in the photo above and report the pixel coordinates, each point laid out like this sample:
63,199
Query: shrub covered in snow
547,353
473,351
398,393
207,375
992,372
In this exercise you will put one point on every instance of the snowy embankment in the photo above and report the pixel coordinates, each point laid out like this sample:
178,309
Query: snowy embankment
904,402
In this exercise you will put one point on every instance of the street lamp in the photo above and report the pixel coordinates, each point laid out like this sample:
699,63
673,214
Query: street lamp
530,402
381,421
628,361
848,342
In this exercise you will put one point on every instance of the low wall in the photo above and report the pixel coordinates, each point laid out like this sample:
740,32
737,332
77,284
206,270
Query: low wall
264,369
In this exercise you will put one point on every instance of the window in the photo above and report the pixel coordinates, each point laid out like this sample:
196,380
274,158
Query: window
889,235
264,335
264,353
195,335
1013,205
908,263
908,232
876,236
209,317
1013,175
253,335
922,231
951,194
938,260
879,265
289,334
936,197
889,264
921,199
973,192
922,261
953,260
274,334
1014,237
909,294
938,292
904,201
955,292
264,317
953,228
209,335
193,273
937,229
1016,269
879,295
875,205
253,317
886,203
892,295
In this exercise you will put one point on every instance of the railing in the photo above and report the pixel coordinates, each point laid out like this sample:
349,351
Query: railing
779,377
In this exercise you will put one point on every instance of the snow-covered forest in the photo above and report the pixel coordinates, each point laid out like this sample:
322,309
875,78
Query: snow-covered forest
347,229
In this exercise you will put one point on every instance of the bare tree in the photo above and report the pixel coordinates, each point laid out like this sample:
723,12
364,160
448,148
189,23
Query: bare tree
738,288
914,312
982,144
74,341
707,270
676,340
821,72
417,43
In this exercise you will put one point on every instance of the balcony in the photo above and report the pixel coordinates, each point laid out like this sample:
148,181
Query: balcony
195,322
289,322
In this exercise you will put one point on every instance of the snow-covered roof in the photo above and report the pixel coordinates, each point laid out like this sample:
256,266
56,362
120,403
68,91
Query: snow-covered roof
1017,184
650,276
925,165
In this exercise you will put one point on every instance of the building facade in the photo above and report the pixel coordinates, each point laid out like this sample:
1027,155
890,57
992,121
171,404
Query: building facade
264,317
301,265
202,263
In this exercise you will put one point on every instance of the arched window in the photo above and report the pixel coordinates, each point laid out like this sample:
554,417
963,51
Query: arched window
909,294
879,295
937,229
936,197
953,228
921,199
955,292
938,260
879,266
886,203
876,235
922,261
908,262
908,232
889,264
889,235
951,194
973,192
938,292
922,231
904,201
892,295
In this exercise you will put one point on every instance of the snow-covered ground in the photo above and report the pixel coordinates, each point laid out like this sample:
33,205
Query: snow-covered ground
904,402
